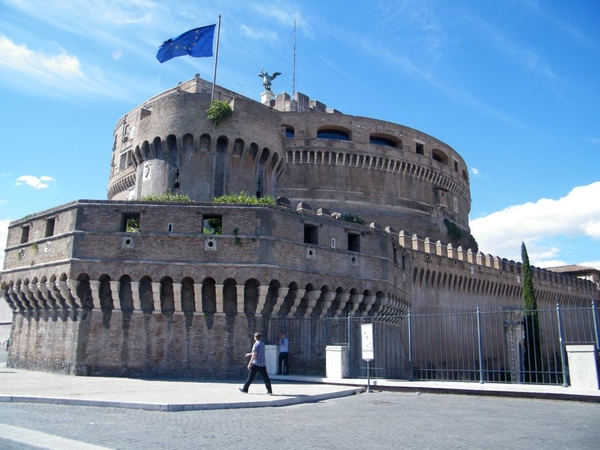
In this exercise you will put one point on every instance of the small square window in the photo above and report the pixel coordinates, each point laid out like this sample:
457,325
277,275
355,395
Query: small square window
212,224
420,149
354,242
50,227
311,234
25,234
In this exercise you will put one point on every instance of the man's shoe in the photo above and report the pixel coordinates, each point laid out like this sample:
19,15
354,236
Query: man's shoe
243,391
269,393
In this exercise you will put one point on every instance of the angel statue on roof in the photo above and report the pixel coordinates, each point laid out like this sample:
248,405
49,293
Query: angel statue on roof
268,78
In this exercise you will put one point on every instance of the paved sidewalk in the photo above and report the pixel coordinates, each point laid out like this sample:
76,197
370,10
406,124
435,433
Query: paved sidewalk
18,385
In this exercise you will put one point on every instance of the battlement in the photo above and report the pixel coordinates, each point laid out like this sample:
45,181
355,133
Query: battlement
443,266
300,103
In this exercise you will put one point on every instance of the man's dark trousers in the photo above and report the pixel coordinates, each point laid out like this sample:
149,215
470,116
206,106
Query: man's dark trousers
283,363
252,374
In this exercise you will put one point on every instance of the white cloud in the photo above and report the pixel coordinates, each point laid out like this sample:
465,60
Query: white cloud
541,225
594,264
21,59
258,33
592,228
34,182
76,15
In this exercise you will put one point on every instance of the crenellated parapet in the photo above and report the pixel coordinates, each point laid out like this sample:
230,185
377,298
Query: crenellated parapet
445,268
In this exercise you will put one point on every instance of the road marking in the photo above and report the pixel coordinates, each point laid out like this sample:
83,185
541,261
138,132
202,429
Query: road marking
44,440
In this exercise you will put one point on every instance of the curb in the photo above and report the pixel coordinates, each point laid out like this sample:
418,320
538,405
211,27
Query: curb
175,407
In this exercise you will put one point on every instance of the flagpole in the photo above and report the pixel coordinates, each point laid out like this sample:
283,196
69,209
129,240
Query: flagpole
212,96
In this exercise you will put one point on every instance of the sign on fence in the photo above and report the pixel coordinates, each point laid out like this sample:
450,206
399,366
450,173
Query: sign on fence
366,331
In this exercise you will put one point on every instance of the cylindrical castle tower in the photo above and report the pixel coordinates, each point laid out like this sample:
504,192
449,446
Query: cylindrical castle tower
168,145
384,172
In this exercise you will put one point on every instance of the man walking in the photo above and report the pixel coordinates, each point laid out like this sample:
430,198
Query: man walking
258,363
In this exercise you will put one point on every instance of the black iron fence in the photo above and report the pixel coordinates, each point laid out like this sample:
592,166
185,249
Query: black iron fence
511,345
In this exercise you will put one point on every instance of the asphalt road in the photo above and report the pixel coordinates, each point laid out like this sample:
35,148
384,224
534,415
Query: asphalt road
382,420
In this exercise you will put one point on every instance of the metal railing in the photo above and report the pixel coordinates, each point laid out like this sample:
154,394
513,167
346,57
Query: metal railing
511,345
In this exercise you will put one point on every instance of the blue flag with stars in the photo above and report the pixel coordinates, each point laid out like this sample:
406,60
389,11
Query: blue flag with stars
197,42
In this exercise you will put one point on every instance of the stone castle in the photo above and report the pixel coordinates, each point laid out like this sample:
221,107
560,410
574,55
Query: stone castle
127,286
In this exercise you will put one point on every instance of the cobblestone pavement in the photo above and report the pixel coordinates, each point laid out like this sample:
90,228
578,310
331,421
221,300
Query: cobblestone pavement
383,420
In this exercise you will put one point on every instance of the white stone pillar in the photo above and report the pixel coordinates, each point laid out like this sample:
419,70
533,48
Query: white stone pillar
272,357
336,362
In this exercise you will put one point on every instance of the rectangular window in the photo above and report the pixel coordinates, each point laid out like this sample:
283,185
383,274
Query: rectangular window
25,234
395,255
50,227
354,242
420,148
125,160
130,222
311,234
212,224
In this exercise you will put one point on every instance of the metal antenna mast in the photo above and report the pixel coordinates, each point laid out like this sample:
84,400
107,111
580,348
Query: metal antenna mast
294,75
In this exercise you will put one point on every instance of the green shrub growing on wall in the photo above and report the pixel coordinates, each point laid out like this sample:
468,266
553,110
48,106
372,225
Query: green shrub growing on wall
244,198
218,110
168,197
351,217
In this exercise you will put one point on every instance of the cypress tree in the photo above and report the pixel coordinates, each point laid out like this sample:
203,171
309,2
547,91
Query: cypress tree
532,360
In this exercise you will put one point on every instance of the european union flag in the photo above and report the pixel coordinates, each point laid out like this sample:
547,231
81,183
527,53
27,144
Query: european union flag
197,42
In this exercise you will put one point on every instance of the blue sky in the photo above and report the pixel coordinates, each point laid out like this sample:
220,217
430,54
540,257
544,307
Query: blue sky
512,85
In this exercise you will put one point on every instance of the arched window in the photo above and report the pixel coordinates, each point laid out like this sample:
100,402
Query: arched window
289,131
386,141
439,155
333,133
